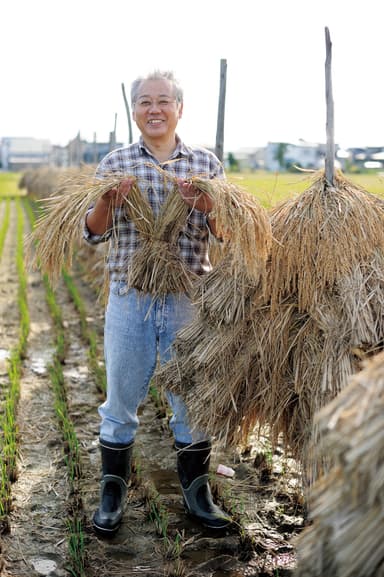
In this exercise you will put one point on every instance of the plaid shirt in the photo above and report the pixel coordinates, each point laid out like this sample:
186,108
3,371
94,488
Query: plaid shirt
136,160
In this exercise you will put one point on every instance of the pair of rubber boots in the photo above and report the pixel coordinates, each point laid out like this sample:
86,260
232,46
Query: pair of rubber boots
192,466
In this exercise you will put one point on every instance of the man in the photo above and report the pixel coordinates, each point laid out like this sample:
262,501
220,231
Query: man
140,327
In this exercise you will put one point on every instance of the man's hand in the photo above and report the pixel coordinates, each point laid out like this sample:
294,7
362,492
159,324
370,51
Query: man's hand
117,195
100,219
194,197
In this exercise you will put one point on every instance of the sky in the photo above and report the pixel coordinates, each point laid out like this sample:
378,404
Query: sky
63,63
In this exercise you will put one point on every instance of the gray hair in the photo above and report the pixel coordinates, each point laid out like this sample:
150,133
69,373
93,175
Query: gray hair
157,75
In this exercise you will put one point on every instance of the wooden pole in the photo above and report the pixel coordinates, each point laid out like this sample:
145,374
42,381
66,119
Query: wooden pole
130,139
219,149
330,146
112,136
95,155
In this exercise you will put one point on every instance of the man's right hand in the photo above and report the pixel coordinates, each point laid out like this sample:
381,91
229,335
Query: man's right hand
117,195
100,219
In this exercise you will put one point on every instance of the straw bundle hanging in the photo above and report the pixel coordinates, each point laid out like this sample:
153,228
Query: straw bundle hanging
240,215
297,353
223,294
156,267
323,235
322,313
347,535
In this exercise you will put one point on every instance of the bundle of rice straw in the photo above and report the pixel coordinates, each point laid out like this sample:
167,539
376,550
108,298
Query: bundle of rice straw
298,344
223,294
155,267
323,236
59,228
346,536
40,182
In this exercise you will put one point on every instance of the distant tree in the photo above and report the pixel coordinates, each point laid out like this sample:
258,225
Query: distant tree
233,162
280,154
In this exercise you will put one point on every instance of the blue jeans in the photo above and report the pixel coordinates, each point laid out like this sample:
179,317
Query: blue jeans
139,330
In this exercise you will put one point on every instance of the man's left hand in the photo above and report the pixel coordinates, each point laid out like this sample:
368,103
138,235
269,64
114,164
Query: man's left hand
194,197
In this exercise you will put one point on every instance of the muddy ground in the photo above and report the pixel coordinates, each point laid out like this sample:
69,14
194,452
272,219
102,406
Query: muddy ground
264,492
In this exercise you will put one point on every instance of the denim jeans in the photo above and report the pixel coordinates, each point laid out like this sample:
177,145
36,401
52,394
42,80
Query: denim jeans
139,331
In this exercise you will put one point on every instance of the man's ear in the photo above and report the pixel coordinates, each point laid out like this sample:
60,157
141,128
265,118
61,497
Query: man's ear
181,110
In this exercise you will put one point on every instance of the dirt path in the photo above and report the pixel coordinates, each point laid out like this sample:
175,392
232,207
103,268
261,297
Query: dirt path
264,490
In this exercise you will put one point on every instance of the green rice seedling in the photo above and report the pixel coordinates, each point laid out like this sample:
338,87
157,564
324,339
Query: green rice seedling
97,368
5,492
174,548
88,335
54,308
76,547
156,510
71,446
23,288
4,225
156,395
77,301
9,438
158,514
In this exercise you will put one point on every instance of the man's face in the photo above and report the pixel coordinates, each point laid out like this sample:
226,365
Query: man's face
156,111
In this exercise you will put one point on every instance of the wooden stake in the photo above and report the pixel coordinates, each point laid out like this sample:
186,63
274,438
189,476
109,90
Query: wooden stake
220,117
330,148
130,139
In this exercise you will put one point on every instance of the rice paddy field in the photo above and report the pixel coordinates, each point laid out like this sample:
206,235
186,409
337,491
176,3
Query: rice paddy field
52,381
271,188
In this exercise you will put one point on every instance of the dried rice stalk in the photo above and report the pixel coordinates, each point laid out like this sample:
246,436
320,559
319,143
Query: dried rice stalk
223,295
362,304
249,228
323,234
347,534
58,230
156,267
298,353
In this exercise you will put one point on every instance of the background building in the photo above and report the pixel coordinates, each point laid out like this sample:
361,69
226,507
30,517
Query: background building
20,153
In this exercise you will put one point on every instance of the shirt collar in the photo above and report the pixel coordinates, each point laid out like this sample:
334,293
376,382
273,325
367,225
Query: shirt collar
180,150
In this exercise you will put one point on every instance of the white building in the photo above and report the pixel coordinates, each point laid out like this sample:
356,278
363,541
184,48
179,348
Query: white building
283,156
19,153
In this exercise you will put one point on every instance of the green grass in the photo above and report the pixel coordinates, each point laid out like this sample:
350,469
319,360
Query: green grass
271,188
9,182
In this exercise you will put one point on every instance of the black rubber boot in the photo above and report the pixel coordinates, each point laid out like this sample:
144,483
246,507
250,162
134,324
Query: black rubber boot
116,464
192,467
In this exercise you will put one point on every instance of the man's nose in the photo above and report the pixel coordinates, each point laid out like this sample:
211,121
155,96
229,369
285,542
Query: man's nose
154,107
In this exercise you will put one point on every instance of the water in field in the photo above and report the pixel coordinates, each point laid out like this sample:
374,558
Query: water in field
4,354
